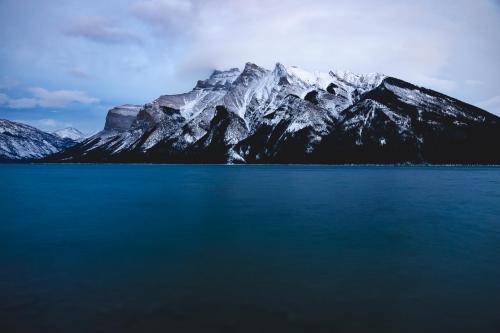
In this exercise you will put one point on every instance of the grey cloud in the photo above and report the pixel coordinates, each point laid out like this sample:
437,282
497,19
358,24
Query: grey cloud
79,73
22,103
45,98
318,35
46,124
441,85
426,42
491,104
173,21
164,46
4,99
7,83
163,13
439,45
101,30
474,83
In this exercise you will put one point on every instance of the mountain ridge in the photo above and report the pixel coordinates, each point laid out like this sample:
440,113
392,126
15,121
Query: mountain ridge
21,142
289,115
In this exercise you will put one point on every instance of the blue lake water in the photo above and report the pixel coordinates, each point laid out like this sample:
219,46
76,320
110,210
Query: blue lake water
153,248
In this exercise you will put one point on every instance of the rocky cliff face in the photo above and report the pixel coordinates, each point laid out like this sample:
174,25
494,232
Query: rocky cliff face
120,118
289,115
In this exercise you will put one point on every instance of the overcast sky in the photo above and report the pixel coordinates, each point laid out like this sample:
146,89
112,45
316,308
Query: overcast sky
65,62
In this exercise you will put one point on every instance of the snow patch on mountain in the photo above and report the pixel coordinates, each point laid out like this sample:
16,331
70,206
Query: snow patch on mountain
70,133
285,113
23,142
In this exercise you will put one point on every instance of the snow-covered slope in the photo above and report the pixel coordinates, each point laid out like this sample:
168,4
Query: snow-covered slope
290,115
22,142
70,133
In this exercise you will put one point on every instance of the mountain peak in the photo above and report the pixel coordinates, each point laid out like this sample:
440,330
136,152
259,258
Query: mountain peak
370,80
280,70
224,73
219,79
250,66
292,115
23,142
70,133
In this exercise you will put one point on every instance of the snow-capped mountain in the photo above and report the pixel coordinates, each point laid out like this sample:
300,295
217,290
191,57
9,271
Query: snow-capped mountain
290,115
22,142
70,133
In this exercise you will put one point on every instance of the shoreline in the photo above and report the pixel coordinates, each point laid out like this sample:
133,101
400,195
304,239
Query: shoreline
256,164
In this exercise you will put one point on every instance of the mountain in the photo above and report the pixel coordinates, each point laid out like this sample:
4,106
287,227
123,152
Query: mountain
20,142
70,133
289,115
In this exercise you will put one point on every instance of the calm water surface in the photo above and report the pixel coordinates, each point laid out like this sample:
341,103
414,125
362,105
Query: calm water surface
150,248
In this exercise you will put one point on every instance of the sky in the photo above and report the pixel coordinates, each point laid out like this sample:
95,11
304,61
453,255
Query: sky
66,62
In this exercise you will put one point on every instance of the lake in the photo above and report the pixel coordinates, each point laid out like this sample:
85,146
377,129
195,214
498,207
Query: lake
183,248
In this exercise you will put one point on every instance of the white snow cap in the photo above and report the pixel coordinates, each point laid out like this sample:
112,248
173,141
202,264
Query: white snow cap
70,133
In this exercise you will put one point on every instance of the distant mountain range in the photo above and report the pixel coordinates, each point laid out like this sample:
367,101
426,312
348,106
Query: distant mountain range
70,133
20,142
289,115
